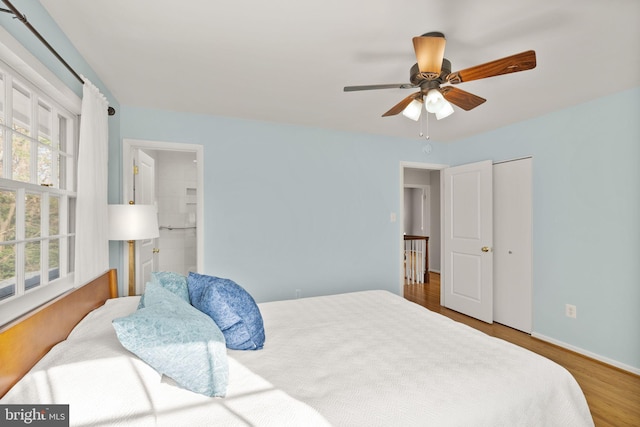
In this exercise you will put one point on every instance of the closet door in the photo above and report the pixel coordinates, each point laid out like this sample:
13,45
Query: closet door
512,274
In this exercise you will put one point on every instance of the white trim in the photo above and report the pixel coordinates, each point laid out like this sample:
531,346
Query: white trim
41,295
28,66
417,165
587,353
128,145
413,165
513,160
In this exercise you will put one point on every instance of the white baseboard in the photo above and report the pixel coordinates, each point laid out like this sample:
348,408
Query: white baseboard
589,354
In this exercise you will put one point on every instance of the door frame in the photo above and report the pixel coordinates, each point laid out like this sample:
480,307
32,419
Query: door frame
128,146
144,249
426,166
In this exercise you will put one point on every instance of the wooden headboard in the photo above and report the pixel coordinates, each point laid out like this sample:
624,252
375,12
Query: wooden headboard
24,341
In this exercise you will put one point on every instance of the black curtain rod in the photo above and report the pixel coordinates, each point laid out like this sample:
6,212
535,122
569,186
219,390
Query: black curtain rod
22,18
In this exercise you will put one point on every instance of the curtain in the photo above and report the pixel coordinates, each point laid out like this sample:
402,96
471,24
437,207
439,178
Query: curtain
92,244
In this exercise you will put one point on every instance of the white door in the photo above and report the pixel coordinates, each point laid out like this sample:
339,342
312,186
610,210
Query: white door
144,193
512,275
468,237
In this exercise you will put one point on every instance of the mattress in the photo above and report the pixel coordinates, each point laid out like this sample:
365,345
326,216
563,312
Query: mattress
359,359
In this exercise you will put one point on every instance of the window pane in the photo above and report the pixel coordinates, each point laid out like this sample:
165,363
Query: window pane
62,160
72,254
44,124
7,271
45,166
62,134
32,216
62,170
21,111
54,215
21,156
2,86
71,225
31,265
7,215
2,153
54,259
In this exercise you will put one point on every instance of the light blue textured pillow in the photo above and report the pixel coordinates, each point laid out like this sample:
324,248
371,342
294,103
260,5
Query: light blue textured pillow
178,341
174,282
231,307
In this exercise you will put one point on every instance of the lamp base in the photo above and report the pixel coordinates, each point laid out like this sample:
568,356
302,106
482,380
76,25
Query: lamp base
132,267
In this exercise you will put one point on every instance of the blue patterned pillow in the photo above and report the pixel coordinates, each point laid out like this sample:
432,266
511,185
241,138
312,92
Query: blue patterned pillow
174,282
178,341
231,307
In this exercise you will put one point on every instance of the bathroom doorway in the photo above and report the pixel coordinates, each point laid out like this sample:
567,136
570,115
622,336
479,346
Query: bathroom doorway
178,198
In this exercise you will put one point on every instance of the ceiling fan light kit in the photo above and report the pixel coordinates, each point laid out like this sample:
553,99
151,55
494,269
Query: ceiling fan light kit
435,103
433,77
413,110
445,111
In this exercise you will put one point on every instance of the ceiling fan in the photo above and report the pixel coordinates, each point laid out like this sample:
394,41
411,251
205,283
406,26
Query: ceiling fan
433,70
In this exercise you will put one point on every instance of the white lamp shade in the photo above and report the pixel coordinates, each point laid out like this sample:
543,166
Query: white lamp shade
133,222
434,101
445,111
413,110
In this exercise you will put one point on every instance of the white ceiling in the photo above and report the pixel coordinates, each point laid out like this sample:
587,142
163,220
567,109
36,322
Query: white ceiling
287,61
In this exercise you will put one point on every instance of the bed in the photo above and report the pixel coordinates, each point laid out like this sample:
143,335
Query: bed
365,358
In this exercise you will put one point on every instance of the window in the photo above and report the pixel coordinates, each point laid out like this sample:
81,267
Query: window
38,140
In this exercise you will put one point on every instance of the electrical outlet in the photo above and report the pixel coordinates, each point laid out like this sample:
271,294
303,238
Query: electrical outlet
298,293
570,311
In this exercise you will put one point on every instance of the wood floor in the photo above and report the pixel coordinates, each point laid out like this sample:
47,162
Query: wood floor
613,395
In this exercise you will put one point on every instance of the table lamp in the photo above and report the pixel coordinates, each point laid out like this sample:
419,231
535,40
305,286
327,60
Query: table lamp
132,222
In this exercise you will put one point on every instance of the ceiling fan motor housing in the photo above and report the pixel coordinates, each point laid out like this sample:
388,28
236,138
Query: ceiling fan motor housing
430,80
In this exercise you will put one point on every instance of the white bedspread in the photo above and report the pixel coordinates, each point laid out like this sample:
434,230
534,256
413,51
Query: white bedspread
360,359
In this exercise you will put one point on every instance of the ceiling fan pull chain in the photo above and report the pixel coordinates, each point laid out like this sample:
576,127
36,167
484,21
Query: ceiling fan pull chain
422,134
427,136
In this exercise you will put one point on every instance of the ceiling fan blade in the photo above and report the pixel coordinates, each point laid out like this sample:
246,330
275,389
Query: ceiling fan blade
465,100
372,87
401,105
429,52
511,64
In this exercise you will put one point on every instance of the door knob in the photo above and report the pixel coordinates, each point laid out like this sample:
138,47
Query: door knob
156,250
486,249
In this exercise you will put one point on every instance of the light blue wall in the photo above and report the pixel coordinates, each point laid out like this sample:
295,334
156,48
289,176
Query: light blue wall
290,207
586,219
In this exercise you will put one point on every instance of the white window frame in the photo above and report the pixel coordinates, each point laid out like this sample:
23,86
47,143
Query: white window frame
48,88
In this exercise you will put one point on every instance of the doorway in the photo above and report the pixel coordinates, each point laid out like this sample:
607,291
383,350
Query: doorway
419,178
178,196
512,241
